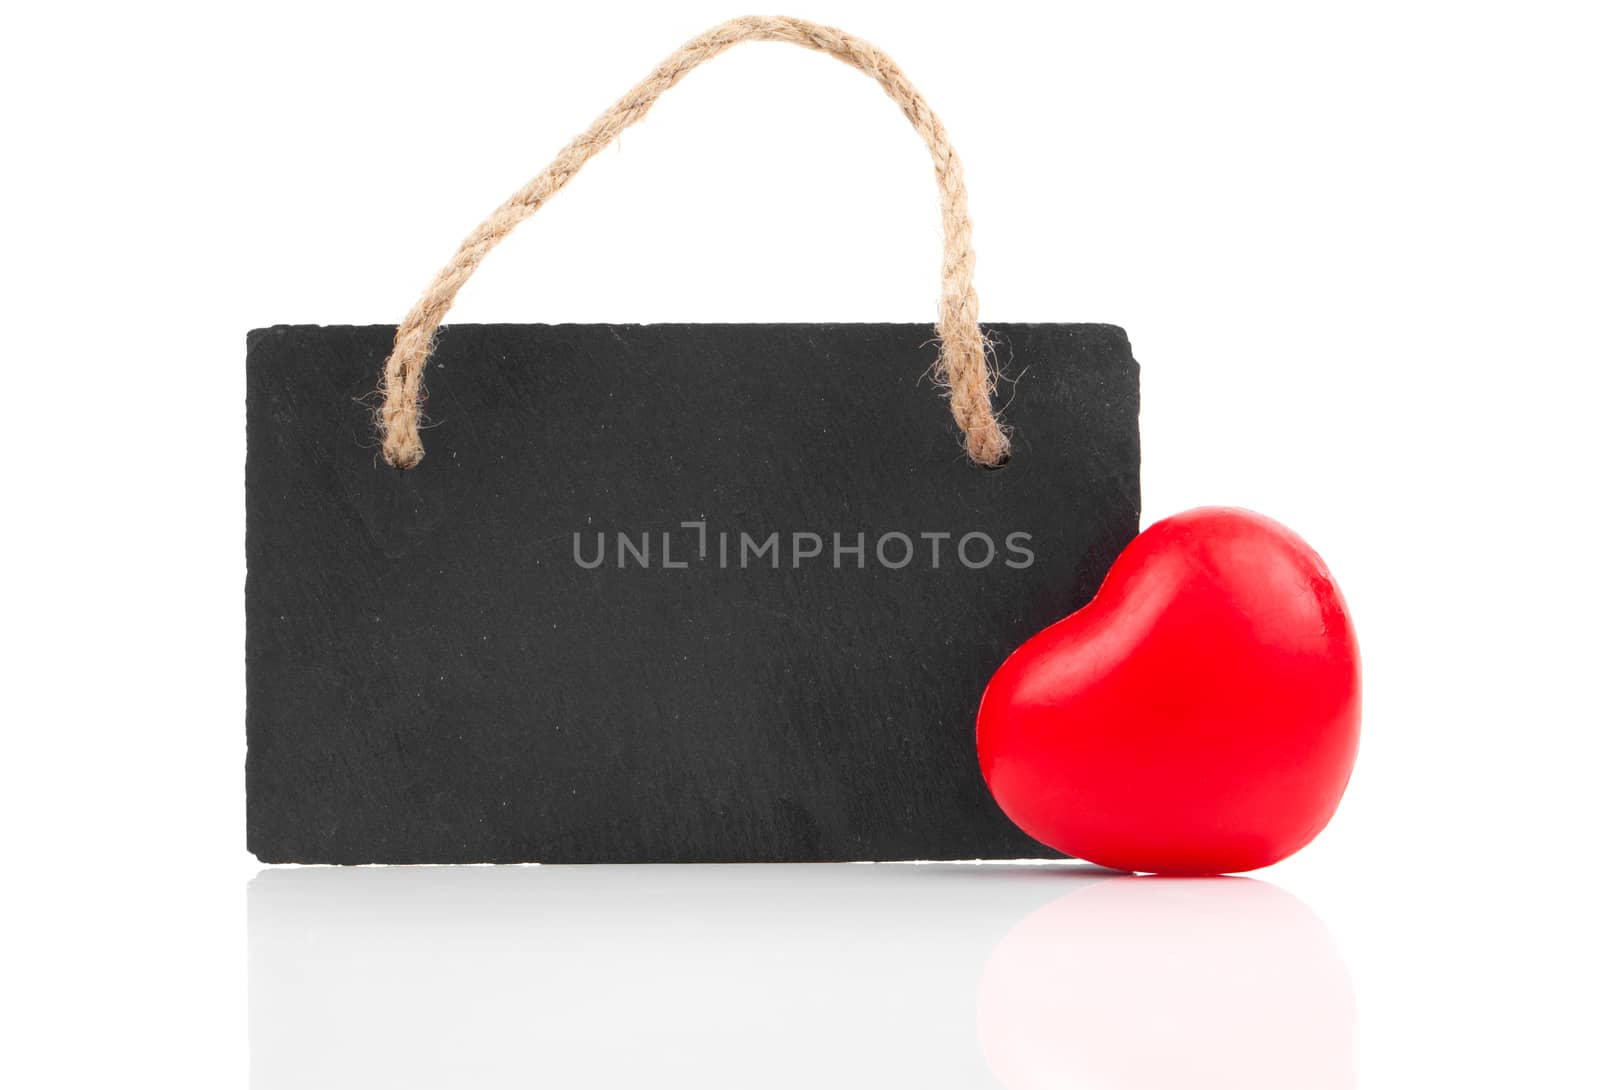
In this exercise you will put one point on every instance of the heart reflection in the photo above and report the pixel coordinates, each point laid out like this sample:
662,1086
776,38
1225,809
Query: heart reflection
1164,982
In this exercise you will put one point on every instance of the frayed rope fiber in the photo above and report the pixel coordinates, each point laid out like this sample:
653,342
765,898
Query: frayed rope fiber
963,366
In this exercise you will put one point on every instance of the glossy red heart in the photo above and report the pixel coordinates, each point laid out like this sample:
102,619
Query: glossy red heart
1199,716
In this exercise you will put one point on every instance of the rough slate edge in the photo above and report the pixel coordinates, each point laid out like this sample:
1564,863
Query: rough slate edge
406,521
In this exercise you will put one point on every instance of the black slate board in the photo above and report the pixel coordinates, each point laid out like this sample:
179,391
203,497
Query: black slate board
434,677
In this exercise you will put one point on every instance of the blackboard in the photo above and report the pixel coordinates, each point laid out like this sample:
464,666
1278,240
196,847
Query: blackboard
658,593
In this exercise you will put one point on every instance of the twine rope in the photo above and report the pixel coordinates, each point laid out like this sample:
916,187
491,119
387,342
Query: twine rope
963,368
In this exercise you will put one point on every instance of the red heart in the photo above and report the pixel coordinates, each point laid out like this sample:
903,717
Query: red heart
1199,716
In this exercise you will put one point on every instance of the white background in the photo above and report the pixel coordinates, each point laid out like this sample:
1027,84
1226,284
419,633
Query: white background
1355,248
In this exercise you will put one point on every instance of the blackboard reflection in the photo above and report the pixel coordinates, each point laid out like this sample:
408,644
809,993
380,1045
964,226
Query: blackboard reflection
748,975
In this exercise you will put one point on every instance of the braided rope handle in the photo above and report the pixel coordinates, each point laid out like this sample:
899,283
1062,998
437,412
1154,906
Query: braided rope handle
963,365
